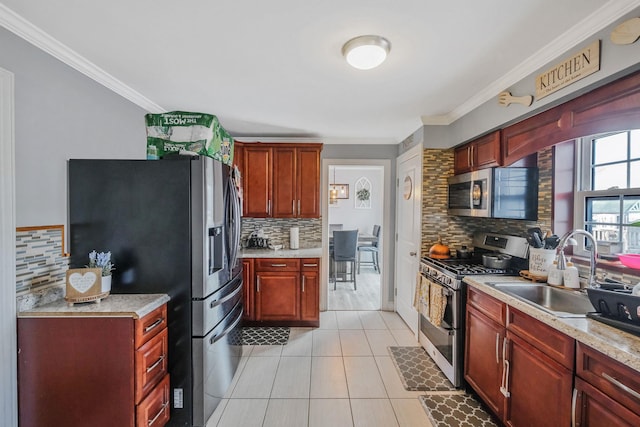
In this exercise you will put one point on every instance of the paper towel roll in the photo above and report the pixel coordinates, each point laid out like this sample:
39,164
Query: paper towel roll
294,238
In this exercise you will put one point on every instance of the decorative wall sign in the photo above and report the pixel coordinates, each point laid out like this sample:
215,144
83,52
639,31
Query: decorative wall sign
363,193
341,190
578,66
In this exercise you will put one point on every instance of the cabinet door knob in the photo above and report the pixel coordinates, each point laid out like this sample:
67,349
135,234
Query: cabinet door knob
413,253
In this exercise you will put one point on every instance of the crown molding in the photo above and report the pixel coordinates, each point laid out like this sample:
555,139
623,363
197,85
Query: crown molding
601,18
34,35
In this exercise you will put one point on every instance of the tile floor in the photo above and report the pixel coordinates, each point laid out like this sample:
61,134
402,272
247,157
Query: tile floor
339,374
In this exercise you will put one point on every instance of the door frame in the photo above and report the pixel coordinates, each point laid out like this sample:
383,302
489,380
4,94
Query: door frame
415,151
8,353
387,302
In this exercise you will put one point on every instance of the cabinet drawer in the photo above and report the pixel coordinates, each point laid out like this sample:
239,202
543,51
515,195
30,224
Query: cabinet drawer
150,325
551,342
277,264
489,306
310,264
154,410
611,377
151,364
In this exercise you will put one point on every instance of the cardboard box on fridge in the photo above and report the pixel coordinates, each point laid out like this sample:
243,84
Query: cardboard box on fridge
198,133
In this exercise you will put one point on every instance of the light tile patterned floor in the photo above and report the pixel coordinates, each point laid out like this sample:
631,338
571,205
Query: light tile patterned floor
339,374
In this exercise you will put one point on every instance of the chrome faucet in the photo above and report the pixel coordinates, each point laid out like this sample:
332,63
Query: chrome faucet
562,261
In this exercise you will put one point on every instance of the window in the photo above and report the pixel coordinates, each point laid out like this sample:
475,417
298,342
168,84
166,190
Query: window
608,200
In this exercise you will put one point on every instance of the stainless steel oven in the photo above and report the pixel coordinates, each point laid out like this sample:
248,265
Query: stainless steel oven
443,339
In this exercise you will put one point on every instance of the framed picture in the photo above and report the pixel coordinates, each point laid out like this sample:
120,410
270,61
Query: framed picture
342,190
363,193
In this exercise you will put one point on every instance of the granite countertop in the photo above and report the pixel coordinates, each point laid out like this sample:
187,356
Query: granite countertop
119,305
617,344
282,253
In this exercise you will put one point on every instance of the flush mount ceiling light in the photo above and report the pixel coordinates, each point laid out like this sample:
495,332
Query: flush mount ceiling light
366,52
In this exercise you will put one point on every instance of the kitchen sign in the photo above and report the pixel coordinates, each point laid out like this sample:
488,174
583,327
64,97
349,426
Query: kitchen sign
578,66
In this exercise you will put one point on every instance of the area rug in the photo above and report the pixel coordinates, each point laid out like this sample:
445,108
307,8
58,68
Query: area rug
265,335
460,410
417,371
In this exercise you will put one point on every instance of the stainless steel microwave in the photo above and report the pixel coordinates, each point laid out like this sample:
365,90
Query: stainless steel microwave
510,193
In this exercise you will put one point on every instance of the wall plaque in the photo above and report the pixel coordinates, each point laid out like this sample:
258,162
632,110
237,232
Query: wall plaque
570,70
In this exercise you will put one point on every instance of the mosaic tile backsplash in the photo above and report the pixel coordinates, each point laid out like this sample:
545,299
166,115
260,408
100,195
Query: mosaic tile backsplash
277,229
40,267
457,230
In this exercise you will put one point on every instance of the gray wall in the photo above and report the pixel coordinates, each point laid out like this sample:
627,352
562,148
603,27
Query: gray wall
61,114
615,61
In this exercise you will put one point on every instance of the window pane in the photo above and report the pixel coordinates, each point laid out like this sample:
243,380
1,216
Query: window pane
631,209
631,240
635,174
635,144
606,177
611,148
605,233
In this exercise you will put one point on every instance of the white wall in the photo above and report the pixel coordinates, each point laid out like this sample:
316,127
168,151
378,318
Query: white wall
345,212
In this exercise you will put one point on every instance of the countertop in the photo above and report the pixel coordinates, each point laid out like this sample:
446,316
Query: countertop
119,305
617,344
282,253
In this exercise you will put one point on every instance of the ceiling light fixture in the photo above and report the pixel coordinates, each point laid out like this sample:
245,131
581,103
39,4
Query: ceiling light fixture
366,52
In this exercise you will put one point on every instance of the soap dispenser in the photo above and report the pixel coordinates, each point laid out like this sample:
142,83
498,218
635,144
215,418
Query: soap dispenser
571,276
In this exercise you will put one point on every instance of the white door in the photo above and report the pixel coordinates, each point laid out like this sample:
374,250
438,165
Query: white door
408,218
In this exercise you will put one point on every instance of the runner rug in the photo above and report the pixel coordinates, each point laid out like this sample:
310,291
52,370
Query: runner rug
418,372
265,335
460,410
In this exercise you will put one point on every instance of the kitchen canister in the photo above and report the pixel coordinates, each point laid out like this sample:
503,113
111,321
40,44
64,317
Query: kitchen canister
294,238
540,261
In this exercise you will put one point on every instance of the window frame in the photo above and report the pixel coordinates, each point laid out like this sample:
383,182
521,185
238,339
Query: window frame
583,183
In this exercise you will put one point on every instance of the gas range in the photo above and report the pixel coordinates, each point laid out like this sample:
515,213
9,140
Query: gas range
451,271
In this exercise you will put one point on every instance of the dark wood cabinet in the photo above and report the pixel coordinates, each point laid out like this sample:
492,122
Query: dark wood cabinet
612,107
483,360
538,389
481,153
310,290
284,291
308,181
521,368
82,370
607,390
247,289
280,180
257,181
277,295
594,408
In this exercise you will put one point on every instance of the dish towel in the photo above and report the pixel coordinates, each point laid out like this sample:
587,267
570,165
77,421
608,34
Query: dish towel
421,298
438,303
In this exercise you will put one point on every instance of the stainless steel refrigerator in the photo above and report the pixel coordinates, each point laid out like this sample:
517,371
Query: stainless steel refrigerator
172,226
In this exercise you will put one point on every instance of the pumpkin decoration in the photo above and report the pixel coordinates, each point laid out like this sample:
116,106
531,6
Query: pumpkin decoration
439,250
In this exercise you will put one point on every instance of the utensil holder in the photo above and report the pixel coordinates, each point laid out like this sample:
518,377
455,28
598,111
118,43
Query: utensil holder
540,261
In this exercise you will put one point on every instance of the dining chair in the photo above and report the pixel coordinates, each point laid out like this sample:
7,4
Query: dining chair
373,249
345,243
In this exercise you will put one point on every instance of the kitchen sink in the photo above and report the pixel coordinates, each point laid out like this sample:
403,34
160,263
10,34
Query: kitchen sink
559,302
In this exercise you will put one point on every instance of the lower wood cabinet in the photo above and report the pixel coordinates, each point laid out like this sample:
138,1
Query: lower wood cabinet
93,371
537,388
521,368
283,291
483,361
607,392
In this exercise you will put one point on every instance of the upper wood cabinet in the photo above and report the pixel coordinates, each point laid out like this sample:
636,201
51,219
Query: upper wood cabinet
612,107
256,168
481,153
280,180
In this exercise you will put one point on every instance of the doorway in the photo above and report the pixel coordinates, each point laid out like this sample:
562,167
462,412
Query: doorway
356,202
